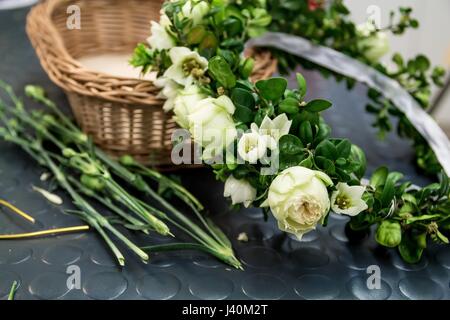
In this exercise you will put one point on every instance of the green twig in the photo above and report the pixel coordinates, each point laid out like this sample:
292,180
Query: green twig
13,290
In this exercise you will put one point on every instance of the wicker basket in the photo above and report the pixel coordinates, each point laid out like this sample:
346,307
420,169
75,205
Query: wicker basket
124,116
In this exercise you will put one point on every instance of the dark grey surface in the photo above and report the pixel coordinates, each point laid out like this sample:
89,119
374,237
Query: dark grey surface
323,266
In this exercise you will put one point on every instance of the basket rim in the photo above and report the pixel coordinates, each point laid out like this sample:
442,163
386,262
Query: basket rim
72,76
50,6
40,17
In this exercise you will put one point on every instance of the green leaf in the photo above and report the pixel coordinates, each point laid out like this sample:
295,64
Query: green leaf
322,133
318,105
388,193
233,26
243,98
422,63
221,71
209,45
243,114
289,106
246,68
379,177
287,160
358,156
290,145
302,87
327,150
305,132
344,148
244,84
421,240
398,60
196,35
272,89
389,234
325,164
307,162
410,250
241,172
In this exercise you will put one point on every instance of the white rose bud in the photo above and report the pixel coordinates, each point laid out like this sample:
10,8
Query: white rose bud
252,147
161,39
240,191
298,199
185,103
169,91
212,126
348,199
195,10
375,46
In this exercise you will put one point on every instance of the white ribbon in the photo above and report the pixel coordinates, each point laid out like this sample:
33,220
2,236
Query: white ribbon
352,68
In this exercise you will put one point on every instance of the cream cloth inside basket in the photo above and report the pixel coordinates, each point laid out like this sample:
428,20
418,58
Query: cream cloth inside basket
115,64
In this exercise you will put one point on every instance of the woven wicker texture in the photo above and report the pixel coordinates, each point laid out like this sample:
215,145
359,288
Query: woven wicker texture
123,115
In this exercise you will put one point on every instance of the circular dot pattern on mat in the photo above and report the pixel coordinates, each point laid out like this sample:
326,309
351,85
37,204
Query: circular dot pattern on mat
359,288
443,257
102,257
316,287
211,287
7,279
257,231
309,258
8,184
338,233
398,262
257,287
357,259
308,237
260,257
206,261
253,213
158,286
105,285
14,255
49,286
161,260
420,288
62,255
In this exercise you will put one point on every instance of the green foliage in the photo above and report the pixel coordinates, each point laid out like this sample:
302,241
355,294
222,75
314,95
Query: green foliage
389,234
318,105
272,89
332,26
221,71
407,217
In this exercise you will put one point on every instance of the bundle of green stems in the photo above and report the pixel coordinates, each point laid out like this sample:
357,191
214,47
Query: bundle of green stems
86,172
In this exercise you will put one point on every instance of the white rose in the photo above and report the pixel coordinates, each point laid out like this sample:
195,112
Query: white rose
298,199
187,66
160,38
348,199
252,147
375,46
185,103
211,125
240,191
169,92
164,20
274,129
195,10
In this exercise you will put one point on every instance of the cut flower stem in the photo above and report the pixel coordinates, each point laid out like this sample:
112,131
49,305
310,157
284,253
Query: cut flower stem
93,162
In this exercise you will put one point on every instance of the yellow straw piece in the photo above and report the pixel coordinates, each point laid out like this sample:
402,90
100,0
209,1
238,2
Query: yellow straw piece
43,233
16,210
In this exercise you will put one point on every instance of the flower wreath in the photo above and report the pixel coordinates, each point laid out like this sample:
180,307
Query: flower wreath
328,23
195,49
